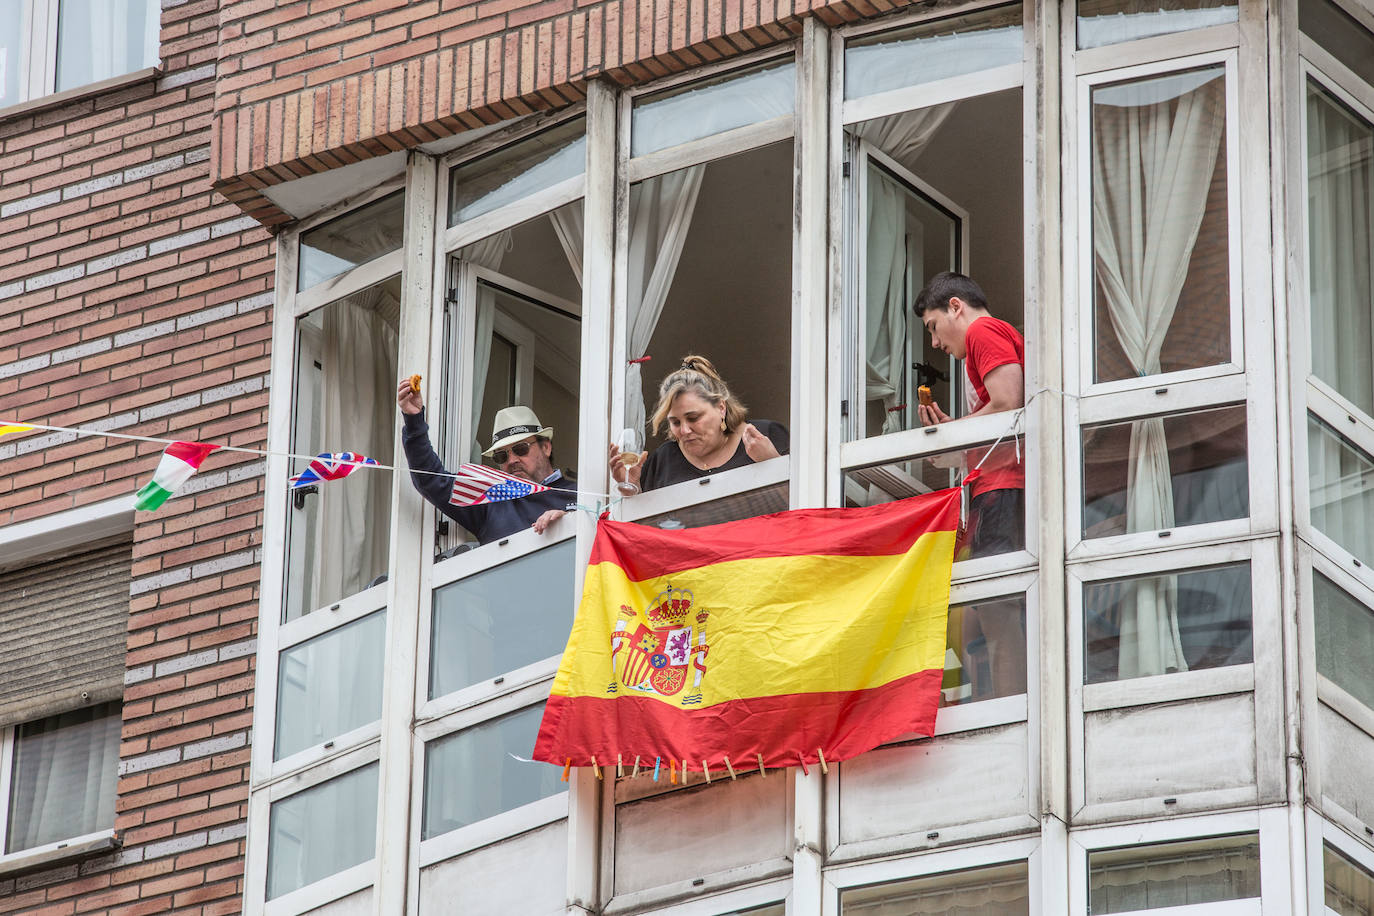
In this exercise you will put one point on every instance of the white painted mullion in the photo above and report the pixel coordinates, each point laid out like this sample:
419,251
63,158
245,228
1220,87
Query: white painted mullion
7,742
42,68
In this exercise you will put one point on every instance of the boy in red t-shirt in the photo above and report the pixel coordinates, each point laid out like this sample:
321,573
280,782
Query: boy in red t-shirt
954,310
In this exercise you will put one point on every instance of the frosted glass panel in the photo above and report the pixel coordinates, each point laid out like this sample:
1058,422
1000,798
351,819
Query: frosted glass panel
322,831
712,107
99,39
933,51
519,170
352,239
1345,639
1104,22
455,796
330,685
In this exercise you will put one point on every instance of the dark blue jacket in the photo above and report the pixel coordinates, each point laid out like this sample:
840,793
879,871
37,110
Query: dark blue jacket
487,522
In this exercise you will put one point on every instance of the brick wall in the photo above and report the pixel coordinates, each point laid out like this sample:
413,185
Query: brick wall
133,299
309,85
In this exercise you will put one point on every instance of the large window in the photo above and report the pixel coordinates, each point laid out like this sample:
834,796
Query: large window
49,46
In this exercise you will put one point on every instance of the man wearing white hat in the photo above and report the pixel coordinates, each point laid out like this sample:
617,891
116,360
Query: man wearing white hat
520,445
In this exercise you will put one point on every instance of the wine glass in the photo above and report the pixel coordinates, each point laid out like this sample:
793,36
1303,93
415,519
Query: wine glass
631,445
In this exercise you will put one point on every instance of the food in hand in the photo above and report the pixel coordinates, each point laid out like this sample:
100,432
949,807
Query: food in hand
923,392
415,384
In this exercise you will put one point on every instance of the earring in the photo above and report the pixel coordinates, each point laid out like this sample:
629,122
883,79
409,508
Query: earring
723,427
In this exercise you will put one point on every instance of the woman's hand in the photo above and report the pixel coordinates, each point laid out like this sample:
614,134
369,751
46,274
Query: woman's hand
756,445
408,399
618,470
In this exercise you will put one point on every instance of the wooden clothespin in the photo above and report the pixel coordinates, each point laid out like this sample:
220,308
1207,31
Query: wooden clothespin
824,769
730,768
619,767
762,771
596,769
707,771
636,771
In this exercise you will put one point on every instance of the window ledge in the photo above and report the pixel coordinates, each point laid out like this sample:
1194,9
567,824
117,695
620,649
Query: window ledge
91,844
67,95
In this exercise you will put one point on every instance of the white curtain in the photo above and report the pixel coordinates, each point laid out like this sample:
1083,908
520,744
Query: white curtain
660,215
893,266
568,224
1340,247
1155,146
489,253
64,779
359,366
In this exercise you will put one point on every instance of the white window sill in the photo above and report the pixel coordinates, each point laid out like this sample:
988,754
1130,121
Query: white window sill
61,98
41,857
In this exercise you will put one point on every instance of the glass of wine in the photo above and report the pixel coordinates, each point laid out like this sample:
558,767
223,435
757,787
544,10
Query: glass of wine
631,445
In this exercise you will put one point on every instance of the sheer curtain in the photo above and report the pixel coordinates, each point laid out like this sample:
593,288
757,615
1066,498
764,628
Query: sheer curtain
1155,144
893,266
65,770
359,357
1340,247
660,215
489,253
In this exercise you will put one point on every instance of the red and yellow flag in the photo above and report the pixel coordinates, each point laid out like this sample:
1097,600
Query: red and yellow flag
810,632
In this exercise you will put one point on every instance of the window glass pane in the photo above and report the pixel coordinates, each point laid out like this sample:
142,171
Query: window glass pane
1345,639
517,171
352,239
1162,624
330,685
1104,22
63,780
985,656
1165,472
1001,890
928,208
997,508
1340,33
502,618
1173,874
1159,223
98,39
322,831
454,798
945,48
709,274
1349,888
712,106
1340,245
13,43
345,401
1342,487
751,504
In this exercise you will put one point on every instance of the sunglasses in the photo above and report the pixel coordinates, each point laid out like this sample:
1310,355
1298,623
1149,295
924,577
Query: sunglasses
521,449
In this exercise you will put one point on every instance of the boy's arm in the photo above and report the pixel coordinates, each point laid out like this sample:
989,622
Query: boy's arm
1006,387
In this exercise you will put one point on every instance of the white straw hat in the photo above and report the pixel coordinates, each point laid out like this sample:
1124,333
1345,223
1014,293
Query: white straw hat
513,424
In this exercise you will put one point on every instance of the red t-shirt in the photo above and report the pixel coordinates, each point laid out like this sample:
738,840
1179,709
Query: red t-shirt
991,342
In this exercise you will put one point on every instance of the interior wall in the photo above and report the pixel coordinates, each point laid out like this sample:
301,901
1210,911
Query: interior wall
731,296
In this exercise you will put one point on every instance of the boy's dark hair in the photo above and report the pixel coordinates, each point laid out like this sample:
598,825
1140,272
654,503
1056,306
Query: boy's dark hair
946,285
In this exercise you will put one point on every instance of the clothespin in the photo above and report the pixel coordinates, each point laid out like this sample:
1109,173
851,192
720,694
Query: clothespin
824,769
730,768
619,767
762,771
672,771
642,359
566,767
707,770
636,772
657,761
803,763
596,769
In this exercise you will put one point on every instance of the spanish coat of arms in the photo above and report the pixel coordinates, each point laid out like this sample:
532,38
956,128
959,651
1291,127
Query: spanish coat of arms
656,652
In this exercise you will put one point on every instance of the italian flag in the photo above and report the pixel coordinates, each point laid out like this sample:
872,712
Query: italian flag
179,462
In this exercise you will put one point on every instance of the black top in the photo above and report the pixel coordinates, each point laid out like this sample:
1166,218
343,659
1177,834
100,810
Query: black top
667,465
489,521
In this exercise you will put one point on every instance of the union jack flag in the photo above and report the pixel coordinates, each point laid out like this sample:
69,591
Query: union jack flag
475,484
329,466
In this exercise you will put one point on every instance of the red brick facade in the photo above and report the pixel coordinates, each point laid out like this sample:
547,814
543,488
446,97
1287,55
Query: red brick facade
308,85
135,300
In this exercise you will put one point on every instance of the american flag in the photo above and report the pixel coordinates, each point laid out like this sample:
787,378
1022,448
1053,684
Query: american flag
475,484
329,466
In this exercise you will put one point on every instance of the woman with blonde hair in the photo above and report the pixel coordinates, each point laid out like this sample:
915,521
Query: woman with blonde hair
707,430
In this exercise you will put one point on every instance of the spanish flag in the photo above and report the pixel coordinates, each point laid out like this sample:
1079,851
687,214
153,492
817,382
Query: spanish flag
785,639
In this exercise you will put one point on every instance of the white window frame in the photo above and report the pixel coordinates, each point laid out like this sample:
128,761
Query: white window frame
22,544
327,889
732,902
497,827
1262,678
1270,824
1322,833
1320,399
701,151
839,878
